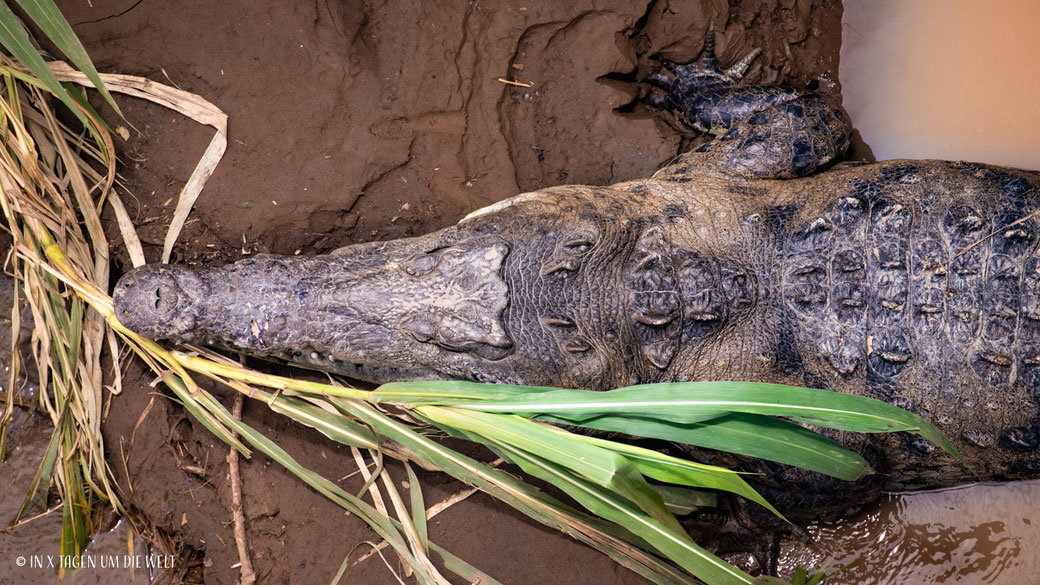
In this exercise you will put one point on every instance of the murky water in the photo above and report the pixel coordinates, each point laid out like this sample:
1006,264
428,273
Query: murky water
946,79
968,535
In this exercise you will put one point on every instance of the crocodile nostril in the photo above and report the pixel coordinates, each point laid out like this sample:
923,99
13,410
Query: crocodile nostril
166,298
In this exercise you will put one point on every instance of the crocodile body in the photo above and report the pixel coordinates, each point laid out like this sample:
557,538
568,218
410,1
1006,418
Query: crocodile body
915,282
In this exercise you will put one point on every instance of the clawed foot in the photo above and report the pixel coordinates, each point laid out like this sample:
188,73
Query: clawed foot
762,131
681,87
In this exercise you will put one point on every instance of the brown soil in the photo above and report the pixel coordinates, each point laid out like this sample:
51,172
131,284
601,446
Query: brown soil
366,120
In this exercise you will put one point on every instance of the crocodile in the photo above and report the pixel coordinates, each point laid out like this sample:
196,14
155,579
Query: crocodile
759,256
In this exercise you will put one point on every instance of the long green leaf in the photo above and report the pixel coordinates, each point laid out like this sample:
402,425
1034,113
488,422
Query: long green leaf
418,507
450,392
605,467
40,479
50,20
676,546
75,508
683,501
745,434
334,426
666,468
691,402
527,499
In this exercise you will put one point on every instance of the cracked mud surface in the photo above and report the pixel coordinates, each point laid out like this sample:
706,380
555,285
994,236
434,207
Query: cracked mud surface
351,122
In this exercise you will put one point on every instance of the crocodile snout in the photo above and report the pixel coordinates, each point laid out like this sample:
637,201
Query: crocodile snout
159,302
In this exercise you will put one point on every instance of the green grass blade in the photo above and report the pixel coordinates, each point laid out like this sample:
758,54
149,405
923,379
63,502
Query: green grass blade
418,507
16,40
41,478
204,412
333,426
676,546
74,511
604,467
816,578
50,20
670,469
75,332
78,95
446,393
603,536
691,402
598,465
745,434
463,569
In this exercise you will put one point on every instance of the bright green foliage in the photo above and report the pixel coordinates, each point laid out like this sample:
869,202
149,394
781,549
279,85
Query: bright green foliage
682,406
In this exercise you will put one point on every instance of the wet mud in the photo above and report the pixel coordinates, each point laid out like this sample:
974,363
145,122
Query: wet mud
359,121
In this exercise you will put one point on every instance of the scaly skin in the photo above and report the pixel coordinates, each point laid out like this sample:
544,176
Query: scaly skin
916,282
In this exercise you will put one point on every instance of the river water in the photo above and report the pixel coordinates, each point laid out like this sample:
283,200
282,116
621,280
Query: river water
986,533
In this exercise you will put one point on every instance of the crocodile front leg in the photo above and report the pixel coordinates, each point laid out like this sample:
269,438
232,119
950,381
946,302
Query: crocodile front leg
762,131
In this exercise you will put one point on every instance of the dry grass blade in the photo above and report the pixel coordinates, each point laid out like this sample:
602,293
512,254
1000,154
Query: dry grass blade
181,101
416,537
127,230
46,198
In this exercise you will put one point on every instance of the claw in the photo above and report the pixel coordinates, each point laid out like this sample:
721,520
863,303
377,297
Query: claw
707,61
740,68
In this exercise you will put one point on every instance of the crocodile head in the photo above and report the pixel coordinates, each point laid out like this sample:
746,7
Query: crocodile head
407,309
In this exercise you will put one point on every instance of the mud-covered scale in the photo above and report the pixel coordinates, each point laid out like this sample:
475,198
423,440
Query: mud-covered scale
915,282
